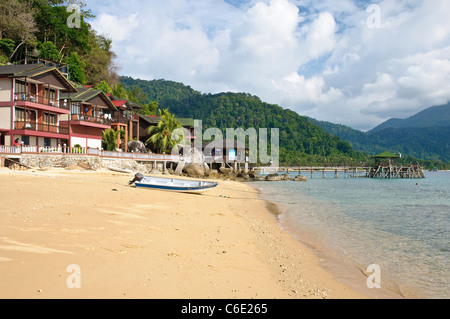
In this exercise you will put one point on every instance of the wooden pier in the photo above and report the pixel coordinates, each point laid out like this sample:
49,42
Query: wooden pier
386,167
380,172
348,172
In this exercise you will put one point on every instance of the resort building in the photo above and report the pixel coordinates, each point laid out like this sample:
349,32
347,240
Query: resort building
225,152
91,113
30,108
124,118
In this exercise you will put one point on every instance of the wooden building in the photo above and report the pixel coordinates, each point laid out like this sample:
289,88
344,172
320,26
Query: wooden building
226,153
125,118
30,109
91,114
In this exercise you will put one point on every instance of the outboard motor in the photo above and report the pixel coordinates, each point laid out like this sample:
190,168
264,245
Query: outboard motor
137,178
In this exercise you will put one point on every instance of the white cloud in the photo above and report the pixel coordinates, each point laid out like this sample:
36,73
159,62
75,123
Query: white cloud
320,35
317,57
116,28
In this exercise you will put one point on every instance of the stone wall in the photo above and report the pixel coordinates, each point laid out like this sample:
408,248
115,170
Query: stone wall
88,162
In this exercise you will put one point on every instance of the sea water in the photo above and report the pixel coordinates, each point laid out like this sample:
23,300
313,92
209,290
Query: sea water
401,225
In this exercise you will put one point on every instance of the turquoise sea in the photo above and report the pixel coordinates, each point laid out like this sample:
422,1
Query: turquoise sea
401,225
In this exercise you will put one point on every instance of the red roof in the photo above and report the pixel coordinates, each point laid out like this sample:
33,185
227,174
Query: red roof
119,103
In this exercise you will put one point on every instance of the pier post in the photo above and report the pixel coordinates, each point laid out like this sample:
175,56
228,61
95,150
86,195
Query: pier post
336,174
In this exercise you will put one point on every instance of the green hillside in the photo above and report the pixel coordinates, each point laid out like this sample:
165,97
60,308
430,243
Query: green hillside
427,138
436,116
301,142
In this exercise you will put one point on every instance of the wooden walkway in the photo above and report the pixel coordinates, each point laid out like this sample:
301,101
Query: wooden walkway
392,172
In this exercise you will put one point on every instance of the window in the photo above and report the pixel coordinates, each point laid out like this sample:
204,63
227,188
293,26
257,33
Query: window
76,108
26,140
49,119
47,142
21,87
20,115
51,94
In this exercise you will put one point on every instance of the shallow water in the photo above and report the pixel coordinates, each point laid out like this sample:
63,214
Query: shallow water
396,224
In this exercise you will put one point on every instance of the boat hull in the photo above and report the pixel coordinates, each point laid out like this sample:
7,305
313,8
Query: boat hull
176,185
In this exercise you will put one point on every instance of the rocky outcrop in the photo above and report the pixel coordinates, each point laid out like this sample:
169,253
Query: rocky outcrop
274,178
195,170
300,178
136,147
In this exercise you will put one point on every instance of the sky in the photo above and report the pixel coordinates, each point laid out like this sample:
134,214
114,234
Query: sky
352,62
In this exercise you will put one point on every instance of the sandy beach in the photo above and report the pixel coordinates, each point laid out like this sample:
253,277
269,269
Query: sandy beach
144,244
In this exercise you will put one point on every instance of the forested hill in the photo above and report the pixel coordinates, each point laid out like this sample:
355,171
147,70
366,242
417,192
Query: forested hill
427,143
301,142
436,116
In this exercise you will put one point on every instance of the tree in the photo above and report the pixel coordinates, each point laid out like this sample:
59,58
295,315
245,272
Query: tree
120,92
52,17
110,139
76,68
99,62
16,20
104,87
162,138
49,51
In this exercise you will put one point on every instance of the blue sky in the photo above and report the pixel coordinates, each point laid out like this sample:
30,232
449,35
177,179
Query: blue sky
332,60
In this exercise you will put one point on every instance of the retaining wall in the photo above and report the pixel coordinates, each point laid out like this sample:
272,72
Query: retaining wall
89,162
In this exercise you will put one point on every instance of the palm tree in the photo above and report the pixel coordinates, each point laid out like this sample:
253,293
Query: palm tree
167,134
110,140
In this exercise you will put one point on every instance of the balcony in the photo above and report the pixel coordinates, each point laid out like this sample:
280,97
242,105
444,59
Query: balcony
124,118
102,120
38,99
42,128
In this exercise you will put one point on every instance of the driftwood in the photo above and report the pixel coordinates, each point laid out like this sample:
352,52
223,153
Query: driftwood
17,163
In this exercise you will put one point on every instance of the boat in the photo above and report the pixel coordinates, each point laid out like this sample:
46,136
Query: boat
172,185
120,170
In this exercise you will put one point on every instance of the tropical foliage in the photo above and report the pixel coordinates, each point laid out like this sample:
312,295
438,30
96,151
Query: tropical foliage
110,140
167,135
301,142
39,28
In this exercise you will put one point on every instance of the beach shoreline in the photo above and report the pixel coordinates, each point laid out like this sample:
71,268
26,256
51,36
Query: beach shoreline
144,244
344,271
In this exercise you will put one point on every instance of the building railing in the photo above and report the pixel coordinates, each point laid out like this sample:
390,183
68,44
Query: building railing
44,100
62,150
123,118
43,128
219,159
91,119
10,150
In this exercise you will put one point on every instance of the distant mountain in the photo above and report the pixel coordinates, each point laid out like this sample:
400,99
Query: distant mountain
424,135
301,142
436,116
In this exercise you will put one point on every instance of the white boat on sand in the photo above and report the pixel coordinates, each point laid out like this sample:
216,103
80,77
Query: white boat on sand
120,170
173,185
